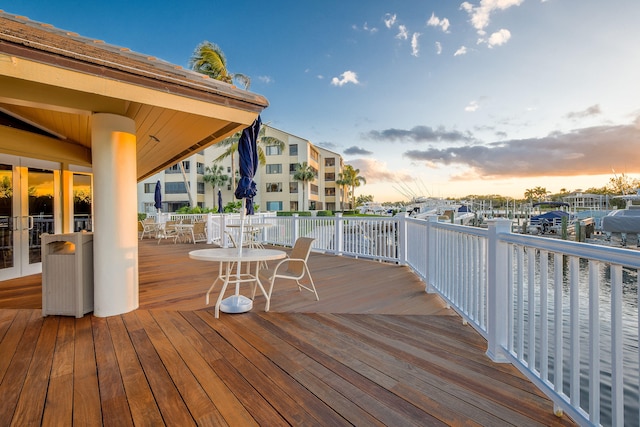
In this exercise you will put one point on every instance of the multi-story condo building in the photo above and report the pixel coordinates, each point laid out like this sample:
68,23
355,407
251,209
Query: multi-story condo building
277,188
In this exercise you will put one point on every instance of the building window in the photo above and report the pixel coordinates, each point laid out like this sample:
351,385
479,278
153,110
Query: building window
331,161
293,206
200,187
149,188
274,206
274,168
314,155
174,188
293,150
329,176
313,189
273,150
293,187
293,167
228,169
274,187
200,168
176,168
331,191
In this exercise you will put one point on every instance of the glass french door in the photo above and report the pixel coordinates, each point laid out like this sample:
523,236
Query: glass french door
27,210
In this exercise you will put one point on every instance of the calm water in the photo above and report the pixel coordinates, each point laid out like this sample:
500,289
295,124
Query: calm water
630,338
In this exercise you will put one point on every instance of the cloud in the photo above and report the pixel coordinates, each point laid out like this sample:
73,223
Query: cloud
265,79
376,172
473,106
389,20
419,134
594,110
346,77
480,15
402,33
499,37
434,21
357,151
371,30
587,151
438,48
415,48
365,27
461,51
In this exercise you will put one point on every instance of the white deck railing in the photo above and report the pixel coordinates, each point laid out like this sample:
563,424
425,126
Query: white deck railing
564,313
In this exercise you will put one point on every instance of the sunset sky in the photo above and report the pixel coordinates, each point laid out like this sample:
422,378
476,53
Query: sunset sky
440,98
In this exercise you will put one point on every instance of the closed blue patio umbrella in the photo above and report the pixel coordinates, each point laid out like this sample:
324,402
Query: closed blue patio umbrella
248,159
246,189
219,201
157,197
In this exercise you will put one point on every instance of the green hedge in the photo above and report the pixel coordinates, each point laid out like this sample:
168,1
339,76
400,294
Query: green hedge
282,213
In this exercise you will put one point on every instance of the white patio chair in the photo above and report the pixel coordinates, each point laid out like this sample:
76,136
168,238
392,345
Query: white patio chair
168,231
292,268
199,232
149,227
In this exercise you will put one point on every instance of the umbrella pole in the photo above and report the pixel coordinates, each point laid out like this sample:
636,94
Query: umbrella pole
240,243
238,303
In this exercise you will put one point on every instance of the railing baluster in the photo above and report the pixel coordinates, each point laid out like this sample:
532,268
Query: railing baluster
574,328
617,394
594,342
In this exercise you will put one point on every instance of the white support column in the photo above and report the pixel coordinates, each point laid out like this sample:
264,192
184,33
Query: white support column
115,238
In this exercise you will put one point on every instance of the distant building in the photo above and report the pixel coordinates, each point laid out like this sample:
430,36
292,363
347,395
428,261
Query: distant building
277,190
586,201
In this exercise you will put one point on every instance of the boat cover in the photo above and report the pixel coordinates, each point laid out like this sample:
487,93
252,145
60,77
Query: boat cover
622,221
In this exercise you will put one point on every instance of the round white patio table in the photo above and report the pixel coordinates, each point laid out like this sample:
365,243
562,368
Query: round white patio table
250,232
230,260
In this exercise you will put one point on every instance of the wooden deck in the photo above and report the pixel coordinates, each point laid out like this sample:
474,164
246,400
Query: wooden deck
375,350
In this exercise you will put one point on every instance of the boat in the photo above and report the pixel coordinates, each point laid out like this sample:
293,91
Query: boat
550,222
445,210
623,222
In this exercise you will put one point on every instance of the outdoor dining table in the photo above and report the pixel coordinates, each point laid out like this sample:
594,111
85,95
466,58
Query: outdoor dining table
231,271
250,232
184,230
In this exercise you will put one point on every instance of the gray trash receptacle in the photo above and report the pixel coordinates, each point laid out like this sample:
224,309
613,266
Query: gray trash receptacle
67,274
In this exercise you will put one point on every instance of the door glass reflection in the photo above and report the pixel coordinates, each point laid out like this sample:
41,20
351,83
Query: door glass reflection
41,203
6,216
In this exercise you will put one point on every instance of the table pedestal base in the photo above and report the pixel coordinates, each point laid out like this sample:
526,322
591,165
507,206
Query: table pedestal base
236,304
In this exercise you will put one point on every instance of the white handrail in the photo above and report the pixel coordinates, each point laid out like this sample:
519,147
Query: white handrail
564,313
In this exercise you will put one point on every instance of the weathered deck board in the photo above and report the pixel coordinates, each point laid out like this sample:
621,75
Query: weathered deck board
375,350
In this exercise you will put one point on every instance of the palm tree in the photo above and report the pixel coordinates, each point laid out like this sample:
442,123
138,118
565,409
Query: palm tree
344,185
209,59
232,148
351,178
304,173
215,176
537,193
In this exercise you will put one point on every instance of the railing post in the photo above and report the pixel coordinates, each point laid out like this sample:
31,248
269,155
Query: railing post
210,227
497,295
431,251
223,225
296,228
402,237
338,241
